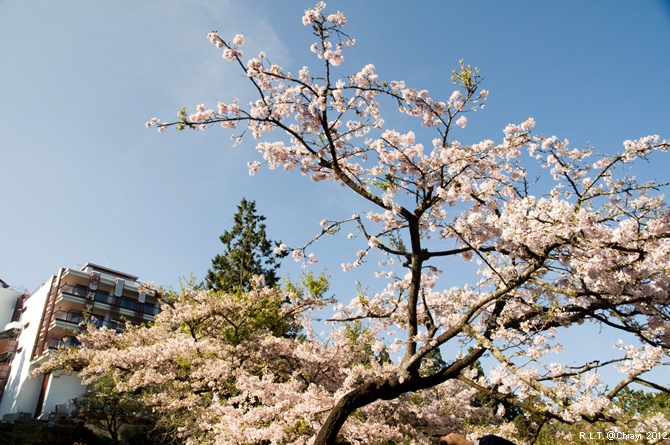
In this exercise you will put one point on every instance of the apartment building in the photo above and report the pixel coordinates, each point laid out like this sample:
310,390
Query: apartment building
33,325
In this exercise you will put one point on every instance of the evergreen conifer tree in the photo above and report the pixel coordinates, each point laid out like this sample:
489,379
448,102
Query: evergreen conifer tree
248,252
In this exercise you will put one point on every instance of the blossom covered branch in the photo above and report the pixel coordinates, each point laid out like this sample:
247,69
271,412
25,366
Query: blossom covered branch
588,243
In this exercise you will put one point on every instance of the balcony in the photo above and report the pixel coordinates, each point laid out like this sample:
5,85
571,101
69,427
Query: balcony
66,342
4,373
74,297
70,321
12,329
70,318
70,297
8,347
73,291
109,324
65,323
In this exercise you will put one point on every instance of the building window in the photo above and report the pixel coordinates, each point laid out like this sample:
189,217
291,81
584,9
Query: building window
127,303
151,309
103,296
77,290
71,317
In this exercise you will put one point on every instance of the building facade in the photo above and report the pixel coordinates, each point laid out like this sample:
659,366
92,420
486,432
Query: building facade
33,325
10,328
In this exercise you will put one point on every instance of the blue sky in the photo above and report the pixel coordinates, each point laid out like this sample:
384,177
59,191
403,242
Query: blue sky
82,179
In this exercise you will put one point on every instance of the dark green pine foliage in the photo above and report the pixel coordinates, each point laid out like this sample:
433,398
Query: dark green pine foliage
248,252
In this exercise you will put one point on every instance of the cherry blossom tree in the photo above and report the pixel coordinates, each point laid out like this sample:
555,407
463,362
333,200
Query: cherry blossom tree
212,374
584,243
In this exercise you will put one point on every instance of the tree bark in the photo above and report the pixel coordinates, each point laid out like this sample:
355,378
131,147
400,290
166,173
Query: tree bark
359,397
386,389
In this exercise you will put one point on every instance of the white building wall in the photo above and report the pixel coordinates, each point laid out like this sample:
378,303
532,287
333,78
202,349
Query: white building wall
22,392
62,388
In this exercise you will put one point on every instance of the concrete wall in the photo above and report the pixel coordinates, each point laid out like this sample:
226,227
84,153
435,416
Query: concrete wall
22,392
62,388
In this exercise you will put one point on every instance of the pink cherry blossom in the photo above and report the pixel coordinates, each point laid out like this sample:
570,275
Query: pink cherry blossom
238,40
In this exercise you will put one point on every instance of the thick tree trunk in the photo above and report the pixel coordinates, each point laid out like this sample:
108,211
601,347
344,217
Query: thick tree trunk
115,437
363,395
386,389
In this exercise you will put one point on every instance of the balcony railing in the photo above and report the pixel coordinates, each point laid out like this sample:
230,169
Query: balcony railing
7,347
76,318
151,310
60,344
73,290
106,298
110,325
69,317
4,372
112,300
